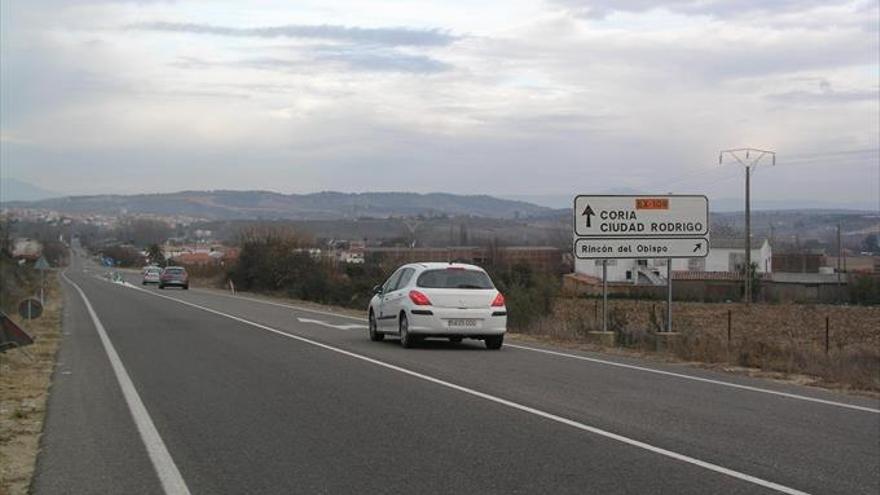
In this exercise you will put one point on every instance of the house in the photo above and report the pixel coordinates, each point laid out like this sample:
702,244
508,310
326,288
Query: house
801,261
28,249
729,255
725,256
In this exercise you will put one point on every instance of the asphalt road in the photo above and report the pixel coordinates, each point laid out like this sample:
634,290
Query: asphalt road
243,395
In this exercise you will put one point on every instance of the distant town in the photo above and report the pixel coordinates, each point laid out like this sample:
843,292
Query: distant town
796,255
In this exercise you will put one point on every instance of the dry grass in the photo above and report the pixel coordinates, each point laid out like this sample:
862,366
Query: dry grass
24,386
781,341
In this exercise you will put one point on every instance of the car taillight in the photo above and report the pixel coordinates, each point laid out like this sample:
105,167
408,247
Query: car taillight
418,298
498,301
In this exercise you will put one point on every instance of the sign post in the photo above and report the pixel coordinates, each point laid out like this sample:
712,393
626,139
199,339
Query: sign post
42,265
669,295
604,295
609,227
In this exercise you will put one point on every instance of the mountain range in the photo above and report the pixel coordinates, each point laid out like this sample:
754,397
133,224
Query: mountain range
230,205
329,205
18,190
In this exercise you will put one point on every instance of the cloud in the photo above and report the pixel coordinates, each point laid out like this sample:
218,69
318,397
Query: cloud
532,99
330,58
373,36
359,59
825,97
713,8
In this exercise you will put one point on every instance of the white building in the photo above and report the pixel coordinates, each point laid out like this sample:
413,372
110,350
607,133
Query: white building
725,255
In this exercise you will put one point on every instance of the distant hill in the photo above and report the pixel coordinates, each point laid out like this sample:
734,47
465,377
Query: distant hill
229,205
716,204
16,190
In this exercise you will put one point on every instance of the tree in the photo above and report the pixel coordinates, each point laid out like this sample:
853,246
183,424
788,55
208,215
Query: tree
143,231
155,255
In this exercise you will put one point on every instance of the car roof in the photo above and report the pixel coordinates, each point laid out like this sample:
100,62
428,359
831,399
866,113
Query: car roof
435,265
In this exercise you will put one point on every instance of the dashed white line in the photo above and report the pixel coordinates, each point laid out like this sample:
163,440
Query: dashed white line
330,325
169,476
498,400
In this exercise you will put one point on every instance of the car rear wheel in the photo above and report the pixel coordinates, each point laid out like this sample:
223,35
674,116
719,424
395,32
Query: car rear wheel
407,340
375,334
161,286
186,287
494,342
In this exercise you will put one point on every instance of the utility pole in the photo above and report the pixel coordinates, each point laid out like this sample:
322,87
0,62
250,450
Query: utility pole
839,255
748,158
412,225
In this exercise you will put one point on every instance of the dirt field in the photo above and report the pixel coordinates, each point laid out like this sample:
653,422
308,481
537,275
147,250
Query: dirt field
24,384
784,339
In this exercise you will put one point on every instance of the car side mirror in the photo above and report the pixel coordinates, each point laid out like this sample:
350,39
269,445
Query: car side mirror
377,289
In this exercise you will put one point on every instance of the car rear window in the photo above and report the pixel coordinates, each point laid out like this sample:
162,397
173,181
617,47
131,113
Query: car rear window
454,278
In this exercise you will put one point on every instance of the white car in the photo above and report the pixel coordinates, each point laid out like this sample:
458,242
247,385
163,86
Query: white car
450,300
152,275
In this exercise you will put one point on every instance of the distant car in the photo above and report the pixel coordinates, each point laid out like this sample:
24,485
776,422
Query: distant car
447,300
152,275
174,275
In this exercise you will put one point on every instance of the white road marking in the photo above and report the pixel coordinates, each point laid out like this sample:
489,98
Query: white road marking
698,379
498,400
169,475
282,305
723,383
325,324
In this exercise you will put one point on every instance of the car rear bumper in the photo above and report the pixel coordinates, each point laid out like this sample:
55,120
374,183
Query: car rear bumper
436,322
181,283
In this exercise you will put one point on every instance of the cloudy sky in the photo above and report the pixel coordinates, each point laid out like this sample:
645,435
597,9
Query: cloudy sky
514,97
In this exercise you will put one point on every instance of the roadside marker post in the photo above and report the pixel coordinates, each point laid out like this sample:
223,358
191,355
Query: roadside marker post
664,226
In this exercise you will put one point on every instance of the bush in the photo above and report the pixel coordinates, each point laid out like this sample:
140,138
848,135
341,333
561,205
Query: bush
278,259
529,295
864,289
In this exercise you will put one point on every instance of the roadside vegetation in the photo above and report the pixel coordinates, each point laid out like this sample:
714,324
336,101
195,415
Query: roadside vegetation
277,260
25,373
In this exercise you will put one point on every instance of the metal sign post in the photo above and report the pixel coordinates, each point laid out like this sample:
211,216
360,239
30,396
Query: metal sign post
604,295
42,265
669,294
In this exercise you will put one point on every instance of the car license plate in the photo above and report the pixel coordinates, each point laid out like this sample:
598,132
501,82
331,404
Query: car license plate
462,323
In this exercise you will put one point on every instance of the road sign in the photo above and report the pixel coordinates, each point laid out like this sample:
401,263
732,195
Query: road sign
641,216
30,309
641,248
42,264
